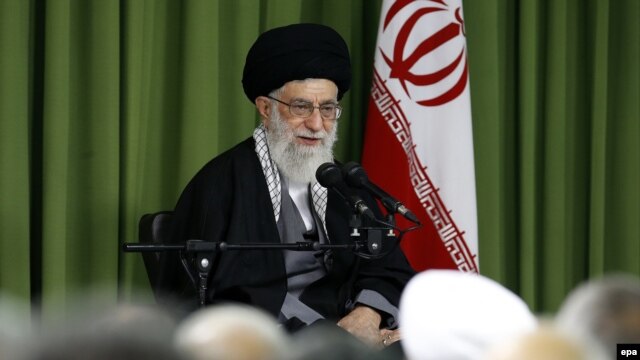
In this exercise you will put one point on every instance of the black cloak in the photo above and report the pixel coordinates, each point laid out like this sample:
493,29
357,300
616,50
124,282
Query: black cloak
228,200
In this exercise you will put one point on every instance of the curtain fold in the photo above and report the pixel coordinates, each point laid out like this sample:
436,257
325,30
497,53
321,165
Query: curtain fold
622,225
530,111
599,110
15,153
108,108
80,148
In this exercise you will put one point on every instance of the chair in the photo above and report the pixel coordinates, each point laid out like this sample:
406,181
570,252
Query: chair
154,229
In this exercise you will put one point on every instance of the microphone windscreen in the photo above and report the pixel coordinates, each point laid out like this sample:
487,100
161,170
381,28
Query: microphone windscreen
328,175
354,174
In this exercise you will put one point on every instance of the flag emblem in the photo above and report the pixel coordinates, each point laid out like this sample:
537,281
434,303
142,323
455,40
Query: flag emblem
403,60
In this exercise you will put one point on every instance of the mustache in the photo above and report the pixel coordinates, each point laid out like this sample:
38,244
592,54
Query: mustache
318,135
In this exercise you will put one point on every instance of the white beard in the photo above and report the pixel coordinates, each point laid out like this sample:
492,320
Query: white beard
298,162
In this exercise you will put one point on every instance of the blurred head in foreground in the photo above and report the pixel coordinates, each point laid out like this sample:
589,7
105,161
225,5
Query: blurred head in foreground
15,326
325,340
448,314
604,312
123,332
231,332
545,343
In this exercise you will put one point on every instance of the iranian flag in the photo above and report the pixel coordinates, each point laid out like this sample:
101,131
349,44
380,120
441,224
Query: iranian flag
418,141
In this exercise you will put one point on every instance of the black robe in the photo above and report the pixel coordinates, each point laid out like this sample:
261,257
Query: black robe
228,200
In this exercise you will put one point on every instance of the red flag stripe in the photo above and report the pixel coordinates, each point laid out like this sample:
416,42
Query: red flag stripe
450,235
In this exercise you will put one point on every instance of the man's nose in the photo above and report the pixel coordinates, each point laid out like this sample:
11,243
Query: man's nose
314,122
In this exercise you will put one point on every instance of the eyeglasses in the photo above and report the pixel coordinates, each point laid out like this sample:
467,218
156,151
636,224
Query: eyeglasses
304,109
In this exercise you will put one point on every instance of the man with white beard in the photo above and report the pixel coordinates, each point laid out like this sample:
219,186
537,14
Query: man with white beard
264,191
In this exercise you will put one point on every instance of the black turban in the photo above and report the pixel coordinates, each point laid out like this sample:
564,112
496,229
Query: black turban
296,52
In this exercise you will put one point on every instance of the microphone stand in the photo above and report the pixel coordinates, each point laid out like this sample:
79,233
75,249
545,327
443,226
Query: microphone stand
372,235
205,252
369,237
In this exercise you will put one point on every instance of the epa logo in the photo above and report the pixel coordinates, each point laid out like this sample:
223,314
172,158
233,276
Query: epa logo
628,351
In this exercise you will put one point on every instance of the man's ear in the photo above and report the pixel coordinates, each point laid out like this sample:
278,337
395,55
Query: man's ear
263,105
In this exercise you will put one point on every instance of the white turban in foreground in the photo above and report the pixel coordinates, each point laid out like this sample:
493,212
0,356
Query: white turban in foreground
448,314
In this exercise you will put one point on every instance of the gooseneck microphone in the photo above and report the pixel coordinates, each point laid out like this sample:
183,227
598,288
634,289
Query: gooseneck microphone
355,176
329,175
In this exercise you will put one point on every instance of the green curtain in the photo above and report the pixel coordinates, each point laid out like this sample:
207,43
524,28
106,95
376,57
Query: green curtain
107,108
555,90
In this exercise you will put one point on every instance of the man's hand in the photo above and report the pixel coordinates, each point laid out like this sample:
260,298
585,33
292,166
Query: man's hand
389,336
364,323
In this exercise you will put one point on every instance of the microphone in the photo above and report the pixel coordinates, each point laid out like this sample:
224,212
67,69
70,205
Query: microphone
355,176
330,176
